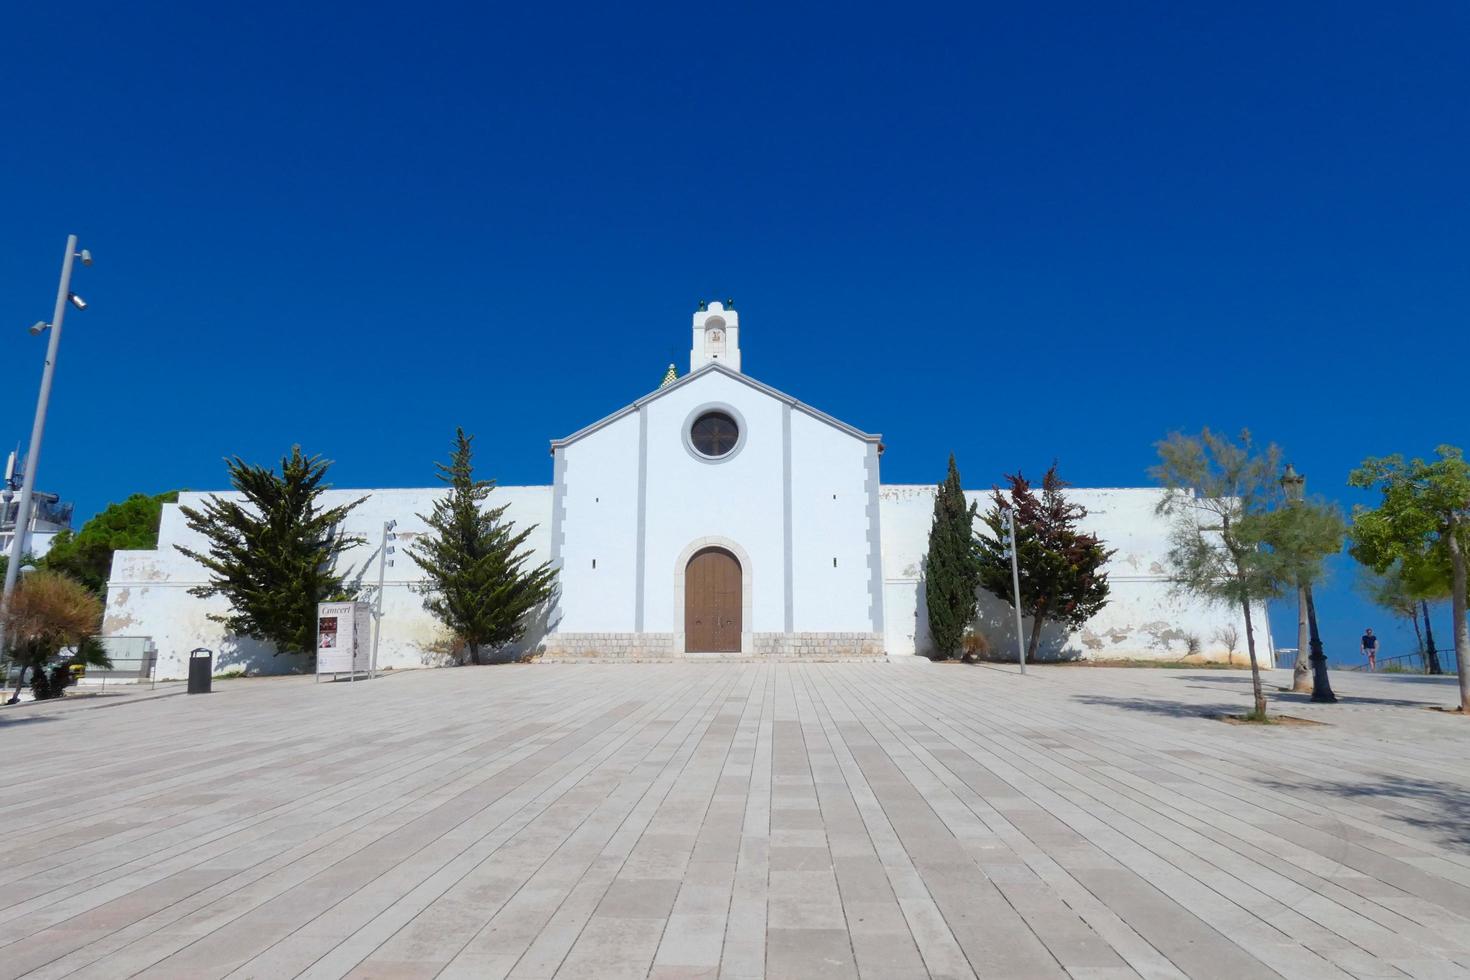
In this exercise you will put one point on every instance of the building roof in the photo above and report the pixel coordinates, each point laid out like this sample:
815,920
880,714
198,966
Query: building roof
716,367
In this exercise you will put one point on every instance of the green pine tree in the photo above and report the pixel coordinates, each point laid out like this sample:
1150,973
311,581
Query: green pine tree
476,580
1218,496
951,573
274,554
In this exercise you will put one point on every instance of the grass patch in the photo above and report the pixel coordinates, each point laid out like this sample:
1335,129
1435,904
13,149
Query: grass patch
1154,664
1150,664
1286,721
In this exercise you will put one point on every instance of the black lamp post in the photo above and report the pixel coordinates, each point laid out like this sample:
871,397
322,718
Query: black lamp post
1294,485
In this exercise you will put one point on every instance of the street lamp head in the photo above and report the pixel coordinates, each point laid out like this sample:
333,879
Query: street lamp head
1293,484
77,301
37,327
86,255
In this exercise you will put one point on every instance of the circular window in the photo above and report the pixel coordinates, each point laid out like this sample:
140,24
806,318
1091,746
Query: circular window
714,434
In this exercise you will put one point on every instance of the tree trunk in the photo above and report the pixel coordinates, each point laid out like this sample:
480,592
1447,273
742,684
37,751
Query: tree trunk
1429,650
1301,672
474,654
1037,622
1419,638
1457,610
1250,646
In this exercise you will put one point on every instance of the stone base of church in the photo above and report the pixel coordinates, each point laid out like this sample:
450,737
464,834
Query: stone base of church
662,646
824,646
607,646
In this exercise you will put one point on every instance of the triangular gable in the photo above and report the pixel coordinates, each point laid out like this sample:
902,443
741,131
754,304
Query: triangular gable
718,368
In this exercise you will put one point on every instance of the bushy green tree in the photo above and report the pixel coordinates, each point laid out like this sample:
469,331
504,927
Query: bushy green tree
478,581
1301,534
1423,523
1219,493
274,554
1400,595
1060,566
128,526
951,573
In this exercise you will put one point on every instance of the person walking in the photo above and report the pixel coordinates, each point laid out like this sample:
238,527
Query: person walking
1370,648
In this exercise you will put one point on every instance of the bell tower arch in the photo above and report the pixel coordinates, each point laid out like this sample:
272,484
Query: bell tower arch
716,336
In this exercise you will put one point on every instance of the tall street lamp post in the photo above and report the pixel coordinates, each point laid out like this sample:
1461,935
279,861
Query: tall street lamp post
1295,486
384,550
1010,515
64,295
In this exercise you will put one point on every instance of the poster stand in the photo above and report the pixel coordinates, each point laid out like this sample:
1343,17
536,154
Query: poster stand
344,640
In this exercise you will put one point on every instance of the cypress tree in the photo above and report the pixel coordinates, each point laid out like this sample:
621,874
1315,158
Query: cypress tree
951,573
274,554
476,580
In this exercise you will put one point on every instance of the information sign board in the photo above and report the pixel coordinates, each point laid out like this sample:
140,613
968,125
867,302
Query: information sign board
343,637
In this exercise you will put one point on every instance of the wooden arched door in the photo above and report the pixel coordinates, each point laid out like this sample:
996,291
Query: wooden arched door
712,602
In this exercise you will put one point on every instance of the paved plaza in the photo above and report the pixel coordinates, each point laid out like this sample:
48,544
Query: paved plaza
738,820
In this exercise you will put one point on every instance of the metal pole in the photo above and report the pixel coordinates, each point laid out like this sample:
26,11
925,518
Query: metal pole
1321,685
1016,591
378,615
38,429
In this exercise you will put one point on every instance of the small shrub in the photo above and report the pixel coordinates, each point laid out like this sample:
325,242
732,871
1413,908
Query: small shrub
1192,645
47,613
52,682
40,684
1228,636
976,645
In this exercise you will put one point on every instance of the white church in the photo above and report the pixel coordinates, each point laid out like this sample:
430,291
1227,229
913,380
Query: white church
713,517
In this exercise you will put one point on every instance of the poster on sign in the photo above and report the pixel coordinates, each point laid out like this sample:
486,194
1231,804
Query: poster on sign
362,636
343,637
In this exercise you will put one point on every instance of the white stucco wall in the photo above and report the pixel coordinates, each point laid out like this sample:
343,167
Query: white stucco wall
688,500
599,524
1144,619
829,522
148,590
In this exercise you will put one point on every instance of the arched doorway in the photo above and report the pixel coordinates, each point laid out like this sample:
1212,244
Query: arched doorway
712,600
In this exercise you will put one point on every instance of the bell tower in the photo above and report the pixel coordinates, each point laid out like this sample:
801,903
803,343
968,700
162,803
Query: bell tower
716,336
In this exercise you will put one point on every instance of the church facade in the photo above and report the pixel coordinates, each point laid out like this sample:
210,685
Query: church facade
717,515
714,517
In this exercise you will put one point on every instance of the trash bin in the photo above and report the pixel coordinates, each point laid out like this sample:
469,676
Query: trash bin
201,670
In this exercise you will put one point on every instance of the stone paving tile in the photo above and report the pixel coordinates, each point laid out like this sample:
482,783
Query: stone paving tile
740,821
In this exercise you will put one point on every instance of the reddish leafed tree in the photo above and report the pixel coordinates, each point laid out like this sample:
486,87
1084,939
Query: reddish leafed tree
1061,567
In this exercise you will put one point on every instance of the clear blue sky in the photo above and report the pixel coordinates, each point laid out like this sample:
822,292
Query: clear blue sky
1011,234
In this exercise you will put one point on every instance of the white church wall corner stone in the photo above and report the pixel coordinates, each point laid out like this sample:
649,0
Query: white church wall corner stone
875,540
